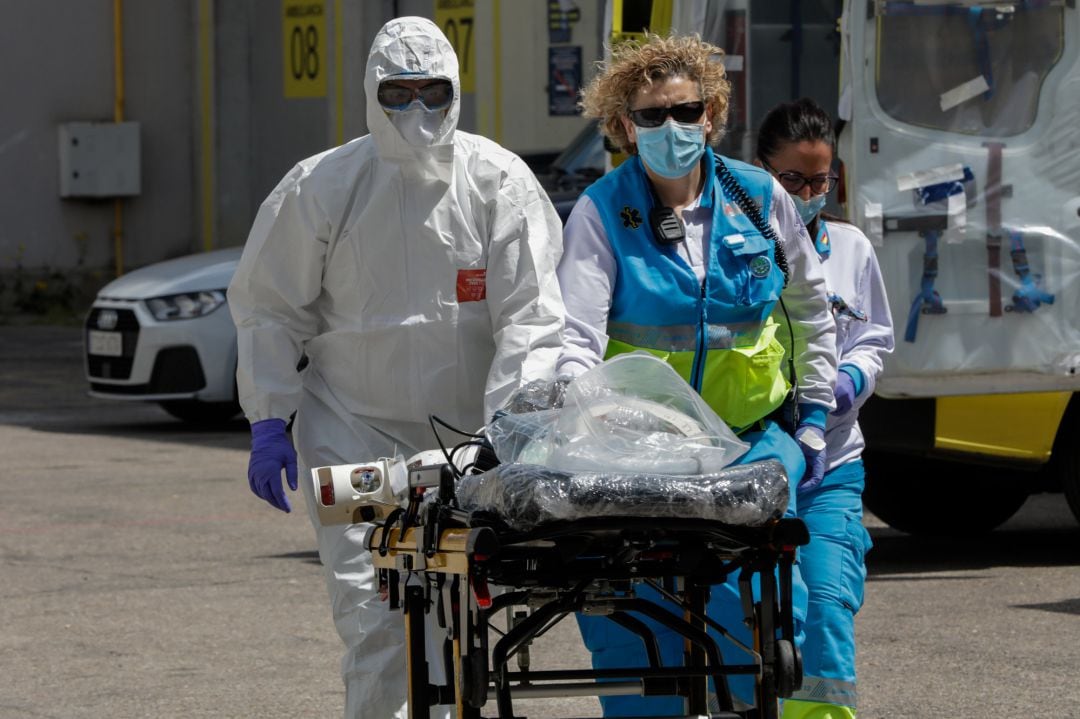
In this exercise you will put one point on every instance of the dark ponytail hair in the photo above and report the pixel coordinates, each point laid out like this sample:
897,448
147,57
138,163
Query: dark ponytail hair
798,121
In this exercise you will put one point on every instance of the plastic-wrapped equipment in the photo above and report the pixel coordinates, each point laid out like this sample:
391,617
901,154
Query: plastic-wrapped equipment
630,414
630,439
527,495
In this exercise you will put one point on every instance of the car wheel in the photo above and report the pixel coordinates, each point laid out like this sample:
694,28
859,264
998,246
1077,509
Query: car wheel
196,412
940,498
1070,479
1065,459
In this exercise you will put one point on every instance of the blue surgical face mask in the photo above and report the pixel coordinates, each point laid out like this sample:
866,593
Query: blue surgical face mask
809,209
673,149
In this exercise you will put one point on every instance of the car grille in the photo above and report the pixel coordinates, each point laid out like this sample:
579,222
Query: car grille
176,370
115,367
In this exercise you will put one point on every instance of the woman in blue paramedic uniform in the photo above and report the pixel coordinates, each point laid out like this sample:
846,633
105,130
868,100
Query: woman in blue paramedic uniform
665,254
796,144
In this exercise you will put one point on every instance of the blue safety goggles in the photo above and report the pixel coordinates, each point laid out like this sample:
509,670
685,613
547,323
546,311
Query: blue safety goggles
436,95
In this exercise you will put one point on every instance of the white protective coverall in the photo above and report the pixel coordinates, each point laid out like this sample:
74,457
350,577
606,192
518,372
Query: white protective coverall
417,281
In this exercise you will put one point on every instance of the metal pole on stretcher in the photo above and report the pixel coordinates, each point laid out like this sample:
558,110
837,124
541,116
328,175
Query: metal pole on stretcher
404,553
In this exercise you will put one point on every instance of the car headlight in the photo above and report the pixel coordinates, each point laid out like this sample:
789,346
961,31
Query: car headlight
186,305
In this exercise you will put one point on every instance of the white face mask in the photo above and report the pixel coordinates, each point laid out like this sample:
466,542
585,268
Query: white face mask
417,124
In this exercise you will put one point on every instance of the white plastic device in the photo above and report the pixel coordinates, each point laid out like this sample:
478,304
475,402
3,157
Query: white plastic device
350,493
366,492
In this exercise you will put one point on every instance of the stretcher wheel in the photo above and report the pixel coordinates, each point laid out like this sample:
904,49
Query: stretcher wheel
787,671
798,669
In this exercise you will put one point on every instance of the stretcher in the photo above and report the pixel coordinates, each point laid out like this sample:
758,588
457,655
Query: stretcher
540,545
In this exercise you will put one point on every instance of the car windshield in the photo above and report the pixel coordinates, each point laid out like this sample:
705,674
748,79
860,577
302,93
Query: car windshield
963,67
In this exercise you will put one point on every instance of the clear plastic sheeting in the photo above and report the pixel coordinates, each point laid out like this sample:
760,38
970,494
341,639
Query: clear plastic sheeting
967,67
963,157
526,495
538,395
632,413
524,437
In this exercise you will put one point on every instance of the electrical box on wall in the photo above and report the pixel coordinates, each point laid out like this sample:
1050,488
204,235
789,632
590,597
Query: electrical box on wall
99,159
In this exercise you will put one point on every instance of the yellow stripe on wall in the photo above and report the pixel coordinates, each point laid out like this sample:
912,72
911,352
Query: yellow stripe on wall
206,96
339,69
497,11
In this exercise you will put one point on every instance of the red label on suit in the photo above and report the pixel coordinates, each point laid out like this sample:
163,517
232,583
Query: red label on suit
471,285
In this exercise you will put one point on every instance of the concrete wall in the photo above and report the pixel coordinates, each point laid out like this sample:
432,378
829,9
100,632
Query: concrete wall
58,68
259,133
526,126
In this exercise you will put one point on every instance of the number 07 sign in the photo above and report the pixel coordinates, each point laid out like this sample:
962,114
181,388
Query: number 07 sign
455,17
304,50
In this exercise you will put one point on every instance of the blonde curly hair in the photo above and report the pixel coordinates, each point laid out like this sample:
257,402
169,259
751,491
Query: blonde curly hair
635,64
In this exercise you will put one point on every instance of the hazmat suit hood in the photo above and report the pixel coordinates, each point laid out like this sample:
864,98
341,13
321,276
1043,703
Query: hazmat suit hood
414,279
412,48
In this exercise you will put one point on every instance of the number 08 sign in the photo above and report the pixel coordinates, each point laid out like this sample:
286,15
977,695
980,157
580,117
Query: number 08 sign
304,56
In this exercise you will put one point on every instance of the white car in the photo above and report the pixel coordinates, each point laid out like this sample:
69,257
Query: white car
163,333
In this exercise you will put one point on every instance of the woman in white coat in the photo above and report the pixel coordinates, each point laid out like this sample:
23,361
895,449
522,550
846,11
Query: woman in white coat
797,145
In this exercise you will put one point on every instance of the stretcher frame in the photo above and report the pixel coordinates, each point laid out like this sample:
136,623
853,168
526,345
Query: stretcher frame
591,566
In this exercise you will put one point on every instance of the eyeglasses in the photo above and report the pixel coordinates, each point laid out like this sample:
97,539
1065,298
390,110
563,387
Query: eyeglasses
436,95
793,182
655,116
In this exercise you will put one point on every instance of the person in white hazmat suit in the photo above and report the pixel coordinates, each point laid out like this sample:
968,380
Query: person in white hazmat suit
414,267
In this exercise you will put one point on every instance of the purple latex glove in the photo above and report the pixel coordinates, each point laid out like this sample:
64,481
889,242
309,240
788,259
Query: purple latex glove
811,439
844,393
271,451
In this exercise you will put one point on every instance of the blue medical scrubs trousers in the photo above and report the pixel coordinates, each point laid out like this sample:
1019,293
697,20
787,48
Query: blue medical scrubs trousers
613,646
834,570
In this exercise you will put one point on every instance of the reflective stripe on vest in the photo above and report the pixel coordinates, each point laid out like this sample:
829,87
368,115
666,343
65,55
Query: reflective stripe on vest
818,690
684,338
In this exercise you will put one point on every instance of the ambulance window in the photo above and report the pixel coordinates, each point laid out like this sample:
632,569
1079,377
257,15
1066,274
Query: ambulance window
964,68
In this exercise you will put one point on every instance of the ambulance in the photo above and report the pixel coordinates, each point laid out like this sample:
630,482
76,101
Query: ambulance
960,145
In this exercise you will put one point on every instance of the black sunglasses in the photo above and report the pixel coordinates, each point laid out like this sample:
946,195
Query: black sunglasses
655,116
793,182
435,95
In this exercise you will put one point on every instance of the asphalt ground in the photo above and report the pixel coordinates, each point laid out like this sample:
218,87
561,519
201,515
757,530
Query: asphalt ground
139,577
